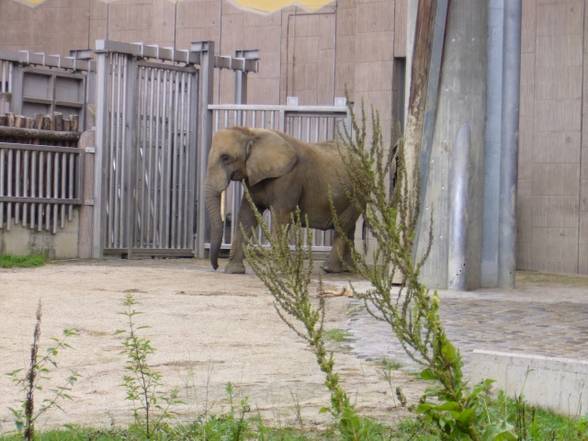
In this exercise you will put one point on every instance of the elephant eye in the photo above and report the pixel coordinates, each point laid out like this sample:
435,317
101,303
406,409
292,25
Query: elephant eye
225,158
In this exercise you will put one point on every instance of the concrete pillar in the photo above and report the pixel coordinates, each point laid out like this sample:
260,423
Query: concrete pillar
511,74
493,143
462,100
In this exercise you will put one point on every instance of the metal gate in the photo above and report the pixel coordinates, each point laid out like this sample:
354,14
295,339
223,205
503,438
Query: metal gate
148,114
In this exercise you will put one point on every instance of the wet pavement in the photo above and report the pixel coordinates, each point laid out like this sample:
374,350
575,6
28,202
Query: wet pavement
545,315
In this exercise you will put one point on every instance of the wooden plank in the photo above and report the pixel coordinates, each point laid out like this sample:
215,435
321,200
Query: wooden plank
24,133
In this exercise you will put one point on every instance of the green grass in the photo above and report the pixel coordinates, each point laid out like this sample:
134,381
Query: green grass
8,261
540,425
337,335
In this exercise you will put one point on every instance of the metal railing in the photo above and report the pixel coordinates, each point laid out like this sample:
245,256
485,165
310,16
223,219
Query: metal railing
306,123
39,185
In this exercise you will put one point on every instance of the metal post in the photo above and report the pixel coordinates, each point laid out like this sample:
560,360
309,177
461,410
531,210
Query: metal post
510,142
240,83
101,134
17,82
130,147
206,77
241,75
489,278
459,204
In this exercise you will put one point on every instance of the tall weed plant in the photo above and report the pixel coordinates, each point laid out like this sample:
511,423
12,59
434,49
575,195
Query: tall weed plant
37,377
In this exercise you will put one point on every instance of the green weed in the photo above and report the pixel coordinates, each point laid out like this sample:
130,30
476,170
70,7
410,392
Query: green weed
8,261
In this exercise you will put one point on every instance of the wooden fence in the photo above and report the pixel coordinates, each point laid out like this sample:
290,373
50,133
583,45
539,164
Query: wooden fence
41,171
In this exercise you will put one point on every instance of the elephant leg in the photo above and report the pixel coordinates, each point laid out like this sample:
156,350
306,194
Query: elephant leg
245,223
340,259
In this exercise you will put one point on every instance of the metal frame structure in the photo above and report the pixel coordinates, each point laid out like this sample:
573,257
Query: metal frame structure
39,185
152,114
19,70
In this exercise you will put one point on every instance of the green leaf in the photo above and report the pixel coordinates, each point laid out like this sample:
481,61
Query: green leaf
450,352
428,374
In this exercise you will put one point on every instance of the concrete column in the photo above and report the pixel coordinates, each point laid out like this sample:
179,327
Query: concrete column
493,143
462,100
511,75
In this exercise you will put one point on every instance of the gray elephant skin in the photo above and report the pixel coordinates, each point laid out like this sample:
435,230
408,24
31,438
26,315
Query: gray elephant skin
281,173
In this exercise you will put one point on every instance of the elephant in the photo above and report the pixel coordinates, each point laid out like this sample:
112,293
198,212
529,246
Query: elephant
281,174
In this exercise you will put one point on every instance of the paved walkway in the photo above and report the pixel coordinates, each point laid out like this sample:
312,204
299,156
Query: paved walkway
546,315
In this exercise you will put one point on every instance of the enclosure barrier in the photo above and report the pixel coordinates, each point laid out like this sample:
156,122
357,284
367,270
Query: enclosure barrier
149,126
44,102
39,184
306,123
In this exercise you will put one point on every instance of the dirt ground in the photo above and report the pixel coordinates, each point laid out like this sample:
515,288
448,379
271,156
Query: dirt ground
209,329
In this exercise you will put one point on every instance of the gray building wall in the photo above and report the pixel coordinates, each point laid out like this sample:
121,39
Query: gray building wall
553,158
353,44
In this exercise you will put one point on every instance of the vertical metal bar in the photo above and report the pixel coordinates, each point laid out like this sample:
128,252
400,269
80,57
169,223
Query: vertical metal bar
130,140
193,153
175,169
17,83
63,194
154,166
140,156
48,190
55,191
33,191
166,182
144,177
41,191
17,184
186,164
122,154
110,119
181,165
72,178
167,75
9,190
116,166
149,154
206,78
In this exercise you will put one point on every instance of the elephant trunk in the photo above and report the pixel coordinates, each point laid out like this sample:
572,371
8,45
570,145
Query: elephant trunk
213,201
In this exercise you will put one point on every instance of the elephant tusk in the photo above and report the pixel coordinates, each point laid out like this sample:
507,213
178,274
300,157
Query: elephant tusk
222,205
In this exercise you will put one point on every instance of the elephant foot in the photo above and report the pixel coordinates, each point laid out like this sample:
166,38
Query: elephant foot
235,268
333,269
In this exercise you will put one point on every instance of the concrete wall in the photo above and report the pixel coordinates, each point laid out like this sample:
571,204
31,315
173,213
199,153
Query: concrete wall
553,160
558,384
22,241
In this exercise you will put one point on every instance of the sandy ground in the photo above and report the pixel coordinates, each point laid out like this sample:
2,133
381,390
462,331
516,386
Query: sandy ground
209,329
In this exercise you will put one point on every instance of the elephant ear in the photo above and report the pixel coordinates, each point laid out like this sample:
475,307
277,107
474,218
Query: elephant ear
268,156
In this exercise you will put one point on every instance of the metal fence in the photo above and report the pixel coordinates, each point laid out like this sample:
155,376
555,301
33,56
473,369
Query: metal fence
307,123
147,122
39,185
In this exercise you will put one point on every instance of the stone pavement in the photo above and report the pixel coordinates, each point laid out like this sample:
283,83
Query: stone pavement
545,315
